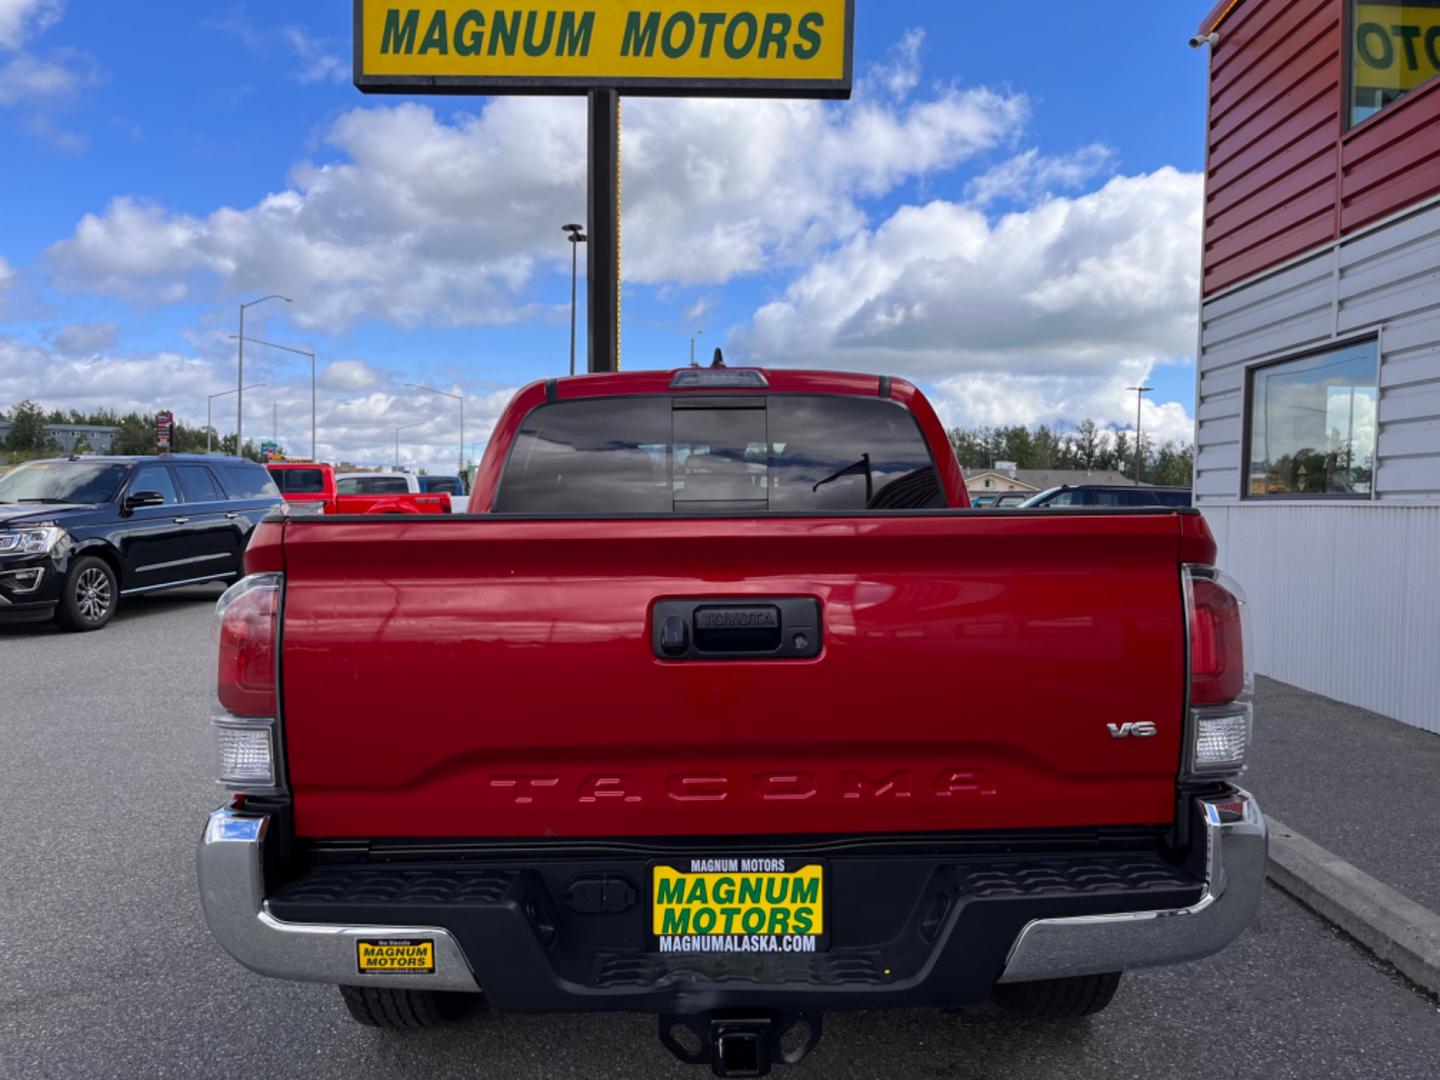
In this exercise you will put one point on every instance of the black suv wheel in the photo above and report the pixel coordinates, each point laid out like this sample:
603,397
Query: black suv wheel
405,1010
88,599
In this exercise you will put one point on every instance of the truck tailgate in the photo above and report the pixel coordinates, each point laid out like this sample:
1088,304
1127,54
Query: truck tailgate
974,673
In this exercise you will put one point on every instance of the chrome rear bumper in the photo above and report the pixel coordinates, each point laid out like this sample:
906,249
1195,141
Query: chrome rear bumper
1236,848
232,892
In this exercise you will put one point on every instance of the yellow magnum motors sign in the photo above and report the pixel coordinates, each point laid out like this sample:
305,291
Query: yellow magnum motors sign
738,905
770,48
395,956
1396,46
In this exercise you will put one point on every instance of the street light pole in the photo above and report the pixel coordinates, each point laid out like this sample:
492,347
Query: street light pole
692,345
1139,442
209,408
297,352
577,237
240,374
455,397
399,428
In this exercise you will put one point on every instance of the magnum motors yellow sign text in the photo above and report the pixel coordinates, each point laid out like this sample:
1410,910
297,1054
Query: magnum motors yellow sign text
1396,46
781,48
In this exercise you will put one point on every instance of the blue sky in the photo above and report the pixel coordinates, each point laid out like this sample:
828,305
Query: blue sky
1007,213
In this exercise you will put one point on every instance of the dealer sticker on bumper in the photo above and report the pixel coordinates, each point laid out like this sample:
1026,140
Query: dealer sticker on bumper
396,956
738,905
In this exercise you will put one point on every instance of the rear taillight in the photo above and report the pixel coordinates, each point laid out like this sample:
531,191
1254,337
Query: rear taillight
307,508
1220,713
246,637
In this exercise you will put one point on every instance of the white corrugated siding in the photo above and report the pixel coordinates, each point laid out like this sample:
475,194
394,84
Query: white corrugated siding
1385,280
1345,600
1345,596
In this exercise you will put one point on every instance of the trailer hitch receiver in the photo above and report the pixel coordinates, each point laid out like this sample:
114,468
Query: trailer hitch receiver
741,1042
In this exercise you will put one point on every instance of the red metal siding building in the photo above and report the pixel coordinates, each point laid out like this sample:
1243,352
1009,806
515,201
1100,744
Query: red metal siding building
1317,438
1283,173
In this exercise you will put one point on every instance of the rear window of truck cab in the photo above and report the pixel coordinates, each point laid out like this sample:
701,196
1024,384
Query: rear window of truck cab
372,485
300,481
698,454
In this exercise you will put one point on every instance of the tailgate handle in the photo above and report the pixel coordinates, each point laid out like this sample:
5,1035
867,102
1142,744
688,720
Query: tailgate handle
779,628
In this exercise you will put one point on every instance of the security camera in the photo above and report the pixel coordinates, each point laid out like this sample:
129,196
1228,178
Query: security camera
1212,39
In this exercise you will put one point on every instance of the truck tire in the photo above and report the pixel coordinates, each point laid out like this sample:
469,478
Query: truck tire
407,1010
89,595
1057,999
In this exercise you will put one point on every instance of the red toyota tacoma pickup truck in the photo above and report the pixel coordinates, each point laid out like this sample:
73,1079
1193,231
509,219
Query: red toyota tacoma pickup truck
765,721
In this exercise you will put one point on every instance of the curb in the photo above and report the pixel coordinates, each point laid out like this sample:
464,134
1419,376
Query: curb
1389,924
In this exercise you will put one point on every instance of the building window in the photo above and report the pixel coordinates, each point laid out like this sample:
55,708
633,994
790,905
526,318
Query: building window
1312,424
1394,48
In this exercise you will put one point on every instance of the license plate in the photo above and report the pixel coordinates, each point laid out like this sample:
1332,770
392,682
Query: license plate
738,905
395,956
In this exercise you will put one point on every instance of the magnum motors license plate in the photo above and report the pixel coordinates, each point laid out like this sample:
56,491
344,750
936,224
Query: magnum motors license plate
395,956
738,905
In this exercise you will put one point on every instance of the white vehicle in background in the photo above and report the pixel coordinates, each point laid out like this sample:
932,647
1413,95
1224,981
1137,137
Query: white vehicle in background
399,483
390,492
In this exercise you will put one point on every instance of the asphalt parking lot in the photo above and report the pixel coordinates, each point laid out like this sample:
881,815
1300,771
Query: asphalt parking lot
109,970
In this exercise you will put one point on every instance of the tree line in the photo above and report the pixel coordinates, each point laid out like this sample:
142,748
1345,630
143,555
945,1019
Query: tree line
1089,446
135,434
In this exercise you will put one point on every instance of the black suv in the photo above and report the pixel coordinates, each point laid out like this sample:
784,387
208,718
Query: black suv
1110,495
76,534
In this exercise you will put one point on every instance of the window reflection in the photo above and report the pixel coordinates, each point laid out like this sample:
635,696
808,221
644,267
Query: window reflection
775,453
845,453
602,456
1312,424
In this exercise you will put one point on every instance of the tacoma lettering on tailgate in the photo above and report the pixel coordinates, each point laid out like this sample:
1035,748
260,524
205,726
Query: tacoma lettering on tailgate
768,786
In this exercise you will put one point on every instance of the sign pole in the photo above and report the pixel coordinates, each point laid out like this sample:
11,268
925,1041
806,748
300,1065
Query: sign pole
601,48
603,252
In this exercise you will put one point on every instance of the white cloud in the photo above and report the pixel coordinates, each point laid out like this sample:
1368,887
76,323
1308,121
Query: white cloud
696,312
998,399
40,85
136,251
428,221
1040,315
310,60
352,425
21,20
29,79
109,381
1071,285
775,182
80,338
419,219
1031,176
899,74
351,375
9,279
318,60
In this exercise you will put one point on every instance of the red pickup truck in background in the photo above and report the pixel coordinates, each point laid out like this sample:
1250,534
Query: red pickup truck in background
314,488
765,721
